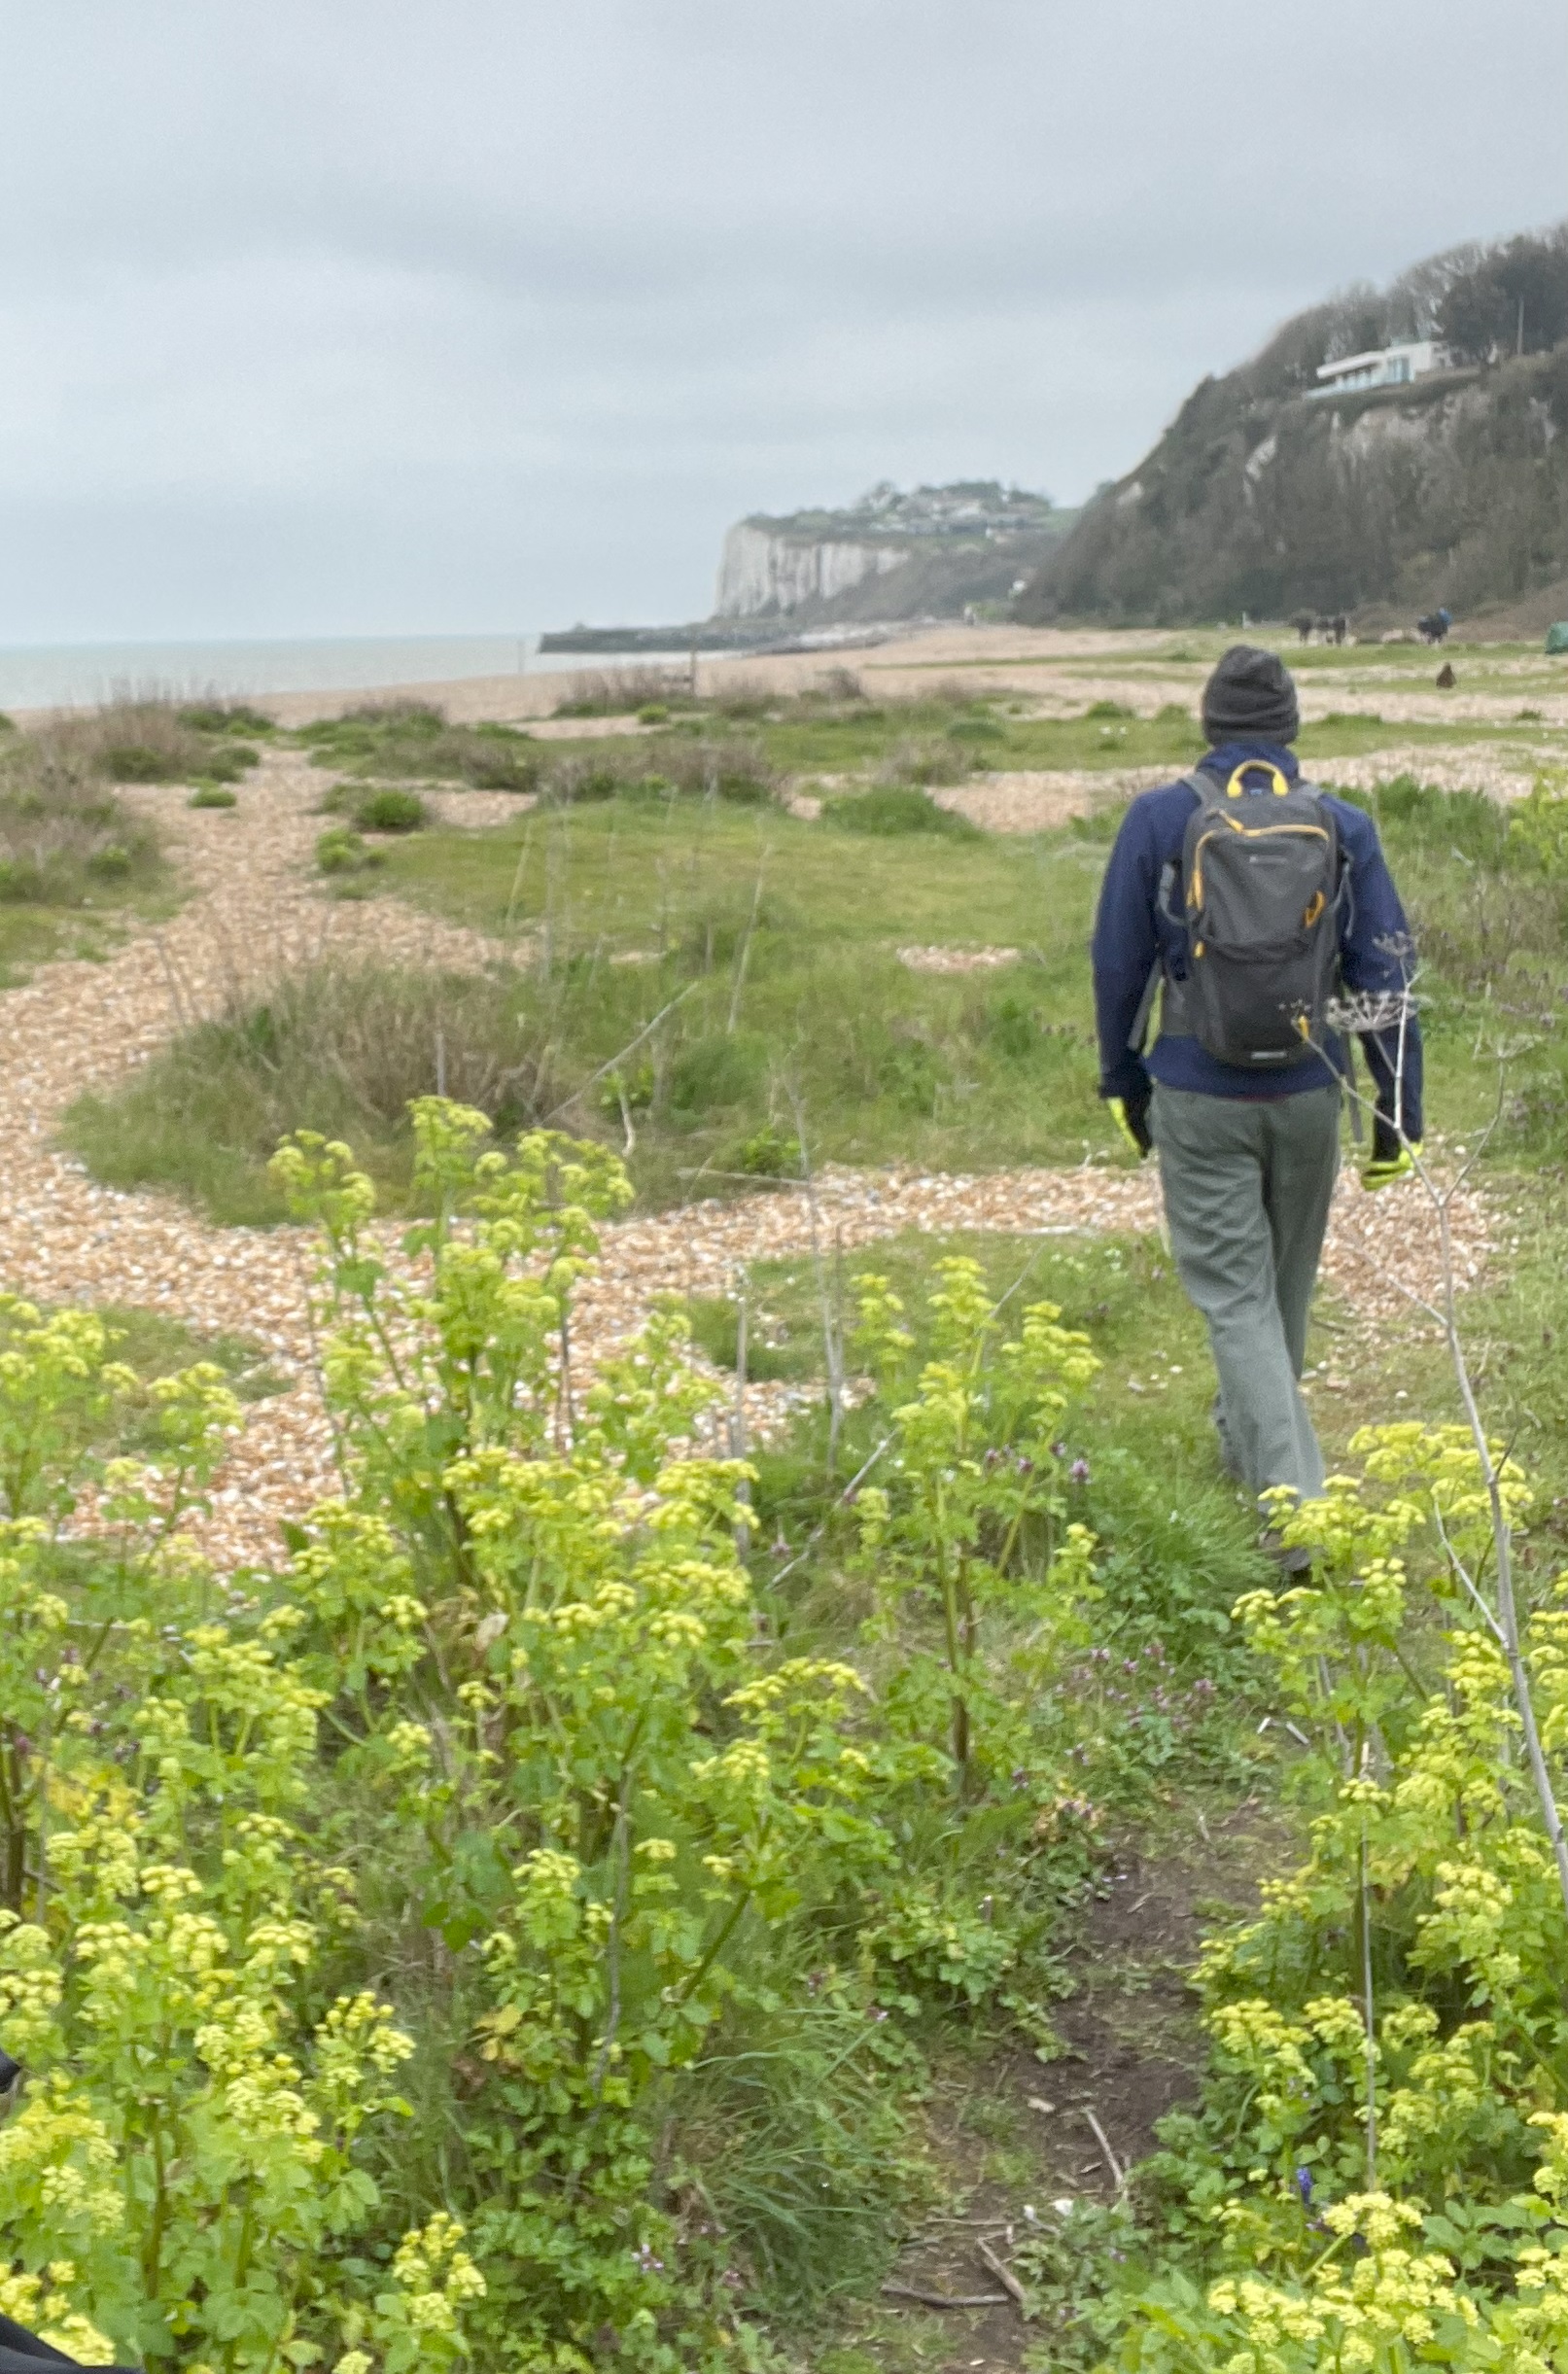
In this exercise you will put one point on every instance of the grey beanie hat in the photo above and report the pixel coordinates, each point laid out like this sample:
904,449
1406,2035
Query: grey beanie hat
1251,697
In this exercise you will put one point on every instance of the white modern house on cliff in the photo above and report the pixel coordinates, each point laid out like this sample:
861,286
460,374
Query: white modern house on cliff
1384,366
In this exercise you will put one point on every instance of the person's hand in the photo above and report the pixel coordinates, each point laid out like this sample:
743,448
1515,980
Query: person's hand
1387,1167
1131,1115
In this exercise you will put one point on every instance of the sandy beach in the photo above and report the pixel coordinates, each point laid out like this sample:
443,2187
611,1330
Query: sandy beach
1058,670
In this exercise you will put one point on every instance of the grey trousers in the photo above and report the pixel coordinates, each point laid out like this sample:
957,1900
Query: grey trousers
1247,1186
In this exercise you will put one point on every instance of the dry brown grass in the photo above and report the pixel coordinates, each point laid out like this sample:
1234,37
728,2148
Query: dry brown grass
64,832
132,741
619,692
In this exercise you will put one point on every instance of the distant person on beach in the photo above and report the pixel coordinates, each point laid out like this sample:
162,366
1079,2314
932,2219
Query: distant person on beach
1251,903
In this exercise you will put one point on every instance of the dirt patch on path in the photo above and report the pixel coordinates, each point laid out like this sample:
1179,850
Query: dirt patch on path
1132,2049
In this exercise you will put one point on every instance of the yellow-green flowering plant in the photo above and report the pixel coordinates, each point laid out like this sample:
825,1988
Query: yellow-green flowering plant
1394,2021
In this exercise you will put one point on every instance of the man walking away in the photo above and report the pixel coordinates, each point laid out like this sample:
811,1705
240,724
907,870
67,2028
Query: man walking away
1253,901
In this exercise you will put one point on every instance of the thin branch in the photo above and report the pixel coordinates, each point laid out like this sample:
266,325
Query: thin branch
629,1049
1118,2172
744,957
854,1484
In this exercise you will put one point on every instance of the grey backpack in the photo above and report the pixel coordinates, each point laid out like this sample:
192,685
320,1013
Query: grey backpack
1261,893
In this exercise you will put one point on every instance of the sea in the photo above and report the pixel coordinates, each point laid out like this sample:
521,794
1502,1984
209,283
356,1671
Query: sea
79,675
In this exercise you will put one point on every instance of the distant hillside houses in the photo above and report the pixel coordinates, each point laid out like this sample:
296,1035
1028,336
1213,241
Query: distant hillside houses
972,506
1384,366
948,547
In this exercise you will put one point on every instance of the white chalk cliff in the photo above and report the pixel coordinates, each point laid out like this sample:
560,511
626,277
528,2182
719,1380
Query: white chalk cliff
762,569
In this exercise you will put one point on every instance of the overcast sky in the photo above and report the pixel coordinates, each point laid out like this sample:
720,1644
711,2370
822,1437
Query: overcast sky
399,316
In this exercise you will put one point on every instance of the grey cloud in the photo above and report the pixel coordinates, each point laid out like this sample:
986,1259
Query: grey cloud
349,315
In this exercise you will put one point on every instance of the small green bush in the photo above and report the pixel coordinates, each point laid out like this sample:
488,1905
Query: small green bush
226,718
1012,1027
892,810
1109,709
579,779
653,713
389,808
409,716
411,739
228,762
770,1153
137,762
212,795
976,729
342,851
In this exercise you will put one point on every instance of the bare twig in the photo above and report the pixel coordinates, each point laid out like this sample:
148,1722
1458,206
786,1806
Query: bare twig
745,955
944,2299
1118,2172
629,1148
630,1048
815,1535
1004,2274
832,1330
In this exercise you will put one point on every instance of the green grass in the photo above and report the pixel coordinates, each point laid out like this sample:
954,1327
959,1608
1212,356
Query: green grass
942,739
888,810
412,740
341,1050
40,933
1145,1422
741,965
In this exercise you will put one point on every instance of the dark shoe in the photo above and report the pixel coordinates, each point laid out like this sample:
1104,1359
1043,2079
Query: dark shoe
1293,1560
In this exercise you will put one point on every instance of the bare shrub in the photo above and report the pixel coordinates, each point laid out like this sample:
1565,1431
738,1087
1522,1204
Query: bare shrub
923,759
62,831
406,715
840,686
615,692
743,696
130,740
730,769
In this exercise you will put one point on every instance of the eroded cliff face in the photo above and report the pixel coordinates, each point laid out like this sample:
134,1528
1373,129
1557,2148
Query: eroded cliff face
1453,491
765,572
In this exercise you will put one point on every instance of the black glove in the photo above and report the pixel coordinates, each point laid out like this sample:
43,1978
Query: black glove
1131,1115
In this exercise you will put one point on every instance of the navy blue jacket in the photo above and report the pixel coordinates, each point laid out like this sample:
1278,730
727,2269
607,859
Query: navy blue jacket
1132,929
